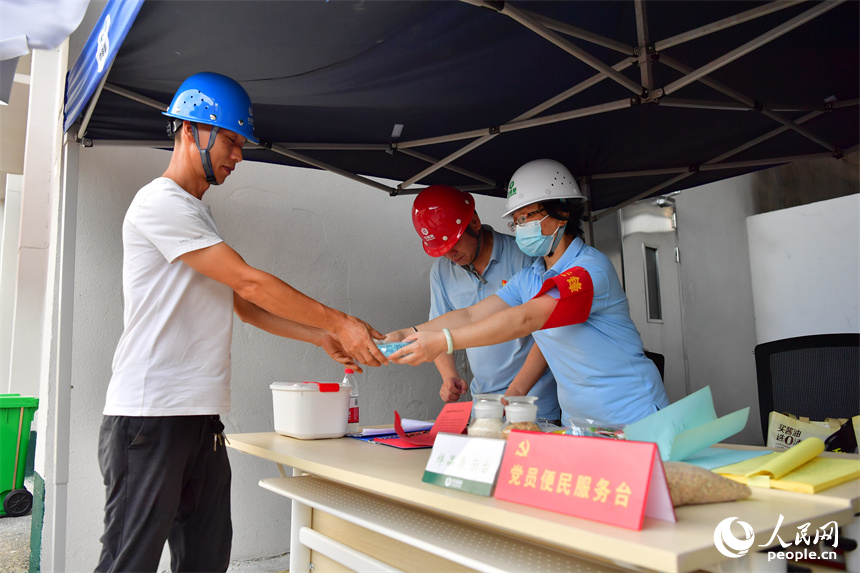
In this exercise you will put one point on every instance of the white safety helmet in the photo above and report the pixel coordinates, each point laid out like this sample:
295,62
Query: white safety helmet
541,180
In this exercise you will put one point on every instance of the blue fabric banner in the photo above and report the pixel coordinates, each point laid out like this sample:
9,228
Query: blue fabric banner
96,57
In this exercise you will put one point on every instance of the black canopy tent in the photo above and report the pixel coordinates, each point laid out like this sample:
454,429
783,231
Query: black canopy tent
638,98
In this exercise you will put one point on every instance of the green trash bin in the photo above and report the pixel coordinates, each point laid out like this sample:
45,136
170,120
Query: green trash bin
16,414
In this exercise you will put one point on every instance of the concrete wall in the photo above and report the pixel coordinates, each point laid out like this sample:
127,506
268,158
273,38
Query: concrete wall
349,245
8,272
719,331
13,123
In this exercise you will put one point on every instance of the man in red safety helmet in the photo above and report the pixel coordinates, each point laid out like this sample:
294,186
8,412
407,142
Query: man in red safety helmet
474,261
161,446
570,300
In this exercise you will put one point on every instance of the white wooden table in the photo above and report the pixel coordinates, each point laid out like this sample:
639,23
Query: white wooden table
360,506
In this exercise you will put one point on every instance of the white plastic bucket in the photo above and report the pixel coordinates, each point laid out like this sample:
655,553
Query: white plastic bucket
310,410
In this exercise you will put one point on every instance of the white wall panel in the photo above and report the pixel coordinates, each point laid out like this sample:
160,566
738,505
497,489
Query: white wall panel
804,264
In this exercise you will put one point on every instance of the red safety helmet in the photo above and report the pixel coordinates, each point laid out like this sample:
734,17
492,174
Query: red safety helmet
441,215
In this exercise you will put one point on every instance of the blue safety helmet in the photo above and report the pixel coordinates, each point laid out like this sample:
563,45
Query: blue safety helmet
214,99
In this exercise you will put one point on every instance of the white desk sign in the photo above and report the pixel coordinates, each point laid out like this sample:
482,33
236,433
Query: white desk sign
465,463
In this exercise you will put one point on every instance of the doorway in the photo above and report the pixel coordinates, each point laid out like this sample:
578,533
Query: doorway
652,280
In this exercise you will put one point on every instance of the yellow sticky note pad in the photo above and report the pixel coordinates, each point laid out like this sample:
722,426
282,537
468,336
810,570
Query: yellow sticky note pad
793,458
798,469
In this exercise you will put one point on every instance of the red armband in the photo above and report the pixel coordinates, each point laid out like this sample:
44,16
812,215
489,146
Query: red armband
576,293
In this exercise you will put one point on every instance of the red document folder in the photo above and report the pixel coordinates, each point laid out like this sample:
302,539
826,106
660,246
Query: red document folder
452,420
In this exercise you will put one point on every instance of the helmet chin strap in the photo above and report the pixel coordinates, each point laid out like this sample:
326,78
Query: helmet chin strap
470,268
556,241
204,153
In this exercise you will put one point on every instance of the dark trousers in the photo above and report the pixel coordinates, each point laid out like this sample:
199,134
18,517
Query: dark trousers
165,481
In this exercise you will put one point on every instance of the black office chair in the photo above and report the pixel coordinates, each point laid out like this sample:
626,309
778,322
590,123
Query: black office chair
816,376
658,359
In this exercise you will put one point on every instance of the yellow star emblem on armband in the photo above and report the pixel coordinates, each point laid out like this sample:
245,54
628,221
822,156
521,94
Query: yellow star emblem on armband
574,284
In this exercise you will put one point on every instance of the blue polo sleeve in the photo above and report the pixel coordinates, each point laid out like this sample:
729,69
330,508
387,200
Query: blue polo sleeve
439,303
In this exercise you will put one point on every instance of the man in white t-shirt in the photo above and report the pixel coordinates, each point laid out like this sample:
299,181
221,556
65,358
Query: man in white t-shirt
161,453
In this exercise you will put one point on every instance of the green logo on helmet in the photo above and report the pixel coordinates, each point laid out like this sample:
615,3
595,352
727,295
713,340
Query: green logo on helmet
512,190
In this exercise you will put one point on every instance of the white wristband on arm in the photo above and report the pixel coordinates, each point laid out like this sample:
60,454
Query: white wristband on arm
450,340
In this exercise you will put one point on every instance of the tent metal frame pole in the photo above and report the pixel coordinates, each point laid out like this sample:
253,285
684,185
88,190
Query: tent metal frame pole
445,138
694,34
428,159
521,122
575,51
488,133
704,104
470,188
716,162
568,115
136,97
644,58
642,195
764,137
597,78
792,108
725,23
585,187
646,65
547,28
748,101
753,44
772,161
844,103
277,149
85,121
525,124
445,161
641,173
542,26
746,104
579,33
334,146
712,166
327,167
157,144
485,134
728,106
580,87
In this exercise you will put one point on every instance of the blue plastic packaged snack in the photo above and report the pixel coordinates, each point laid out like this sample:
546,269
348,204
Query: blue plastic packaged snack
389,348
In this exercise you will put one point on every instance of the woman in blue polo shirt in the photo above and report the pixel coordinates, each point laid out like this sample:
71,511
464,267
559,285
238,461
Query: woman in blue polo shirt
570,300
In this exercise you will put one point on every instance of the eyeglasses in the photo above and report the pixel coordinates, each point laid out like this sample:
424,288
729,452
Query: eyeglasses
521,220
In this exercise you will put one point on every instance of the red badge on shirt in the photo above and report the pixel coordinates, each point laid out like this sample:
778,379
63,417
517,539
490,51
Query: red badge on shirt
576,294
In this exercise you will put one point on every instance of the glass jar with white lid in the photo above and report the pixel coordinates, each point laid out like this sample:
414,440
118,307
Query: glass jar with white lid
521,399
487,410
520,414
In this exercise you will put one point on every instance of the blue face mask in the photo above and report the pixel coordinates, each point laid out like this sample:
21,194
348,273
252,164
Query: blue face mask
532,241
